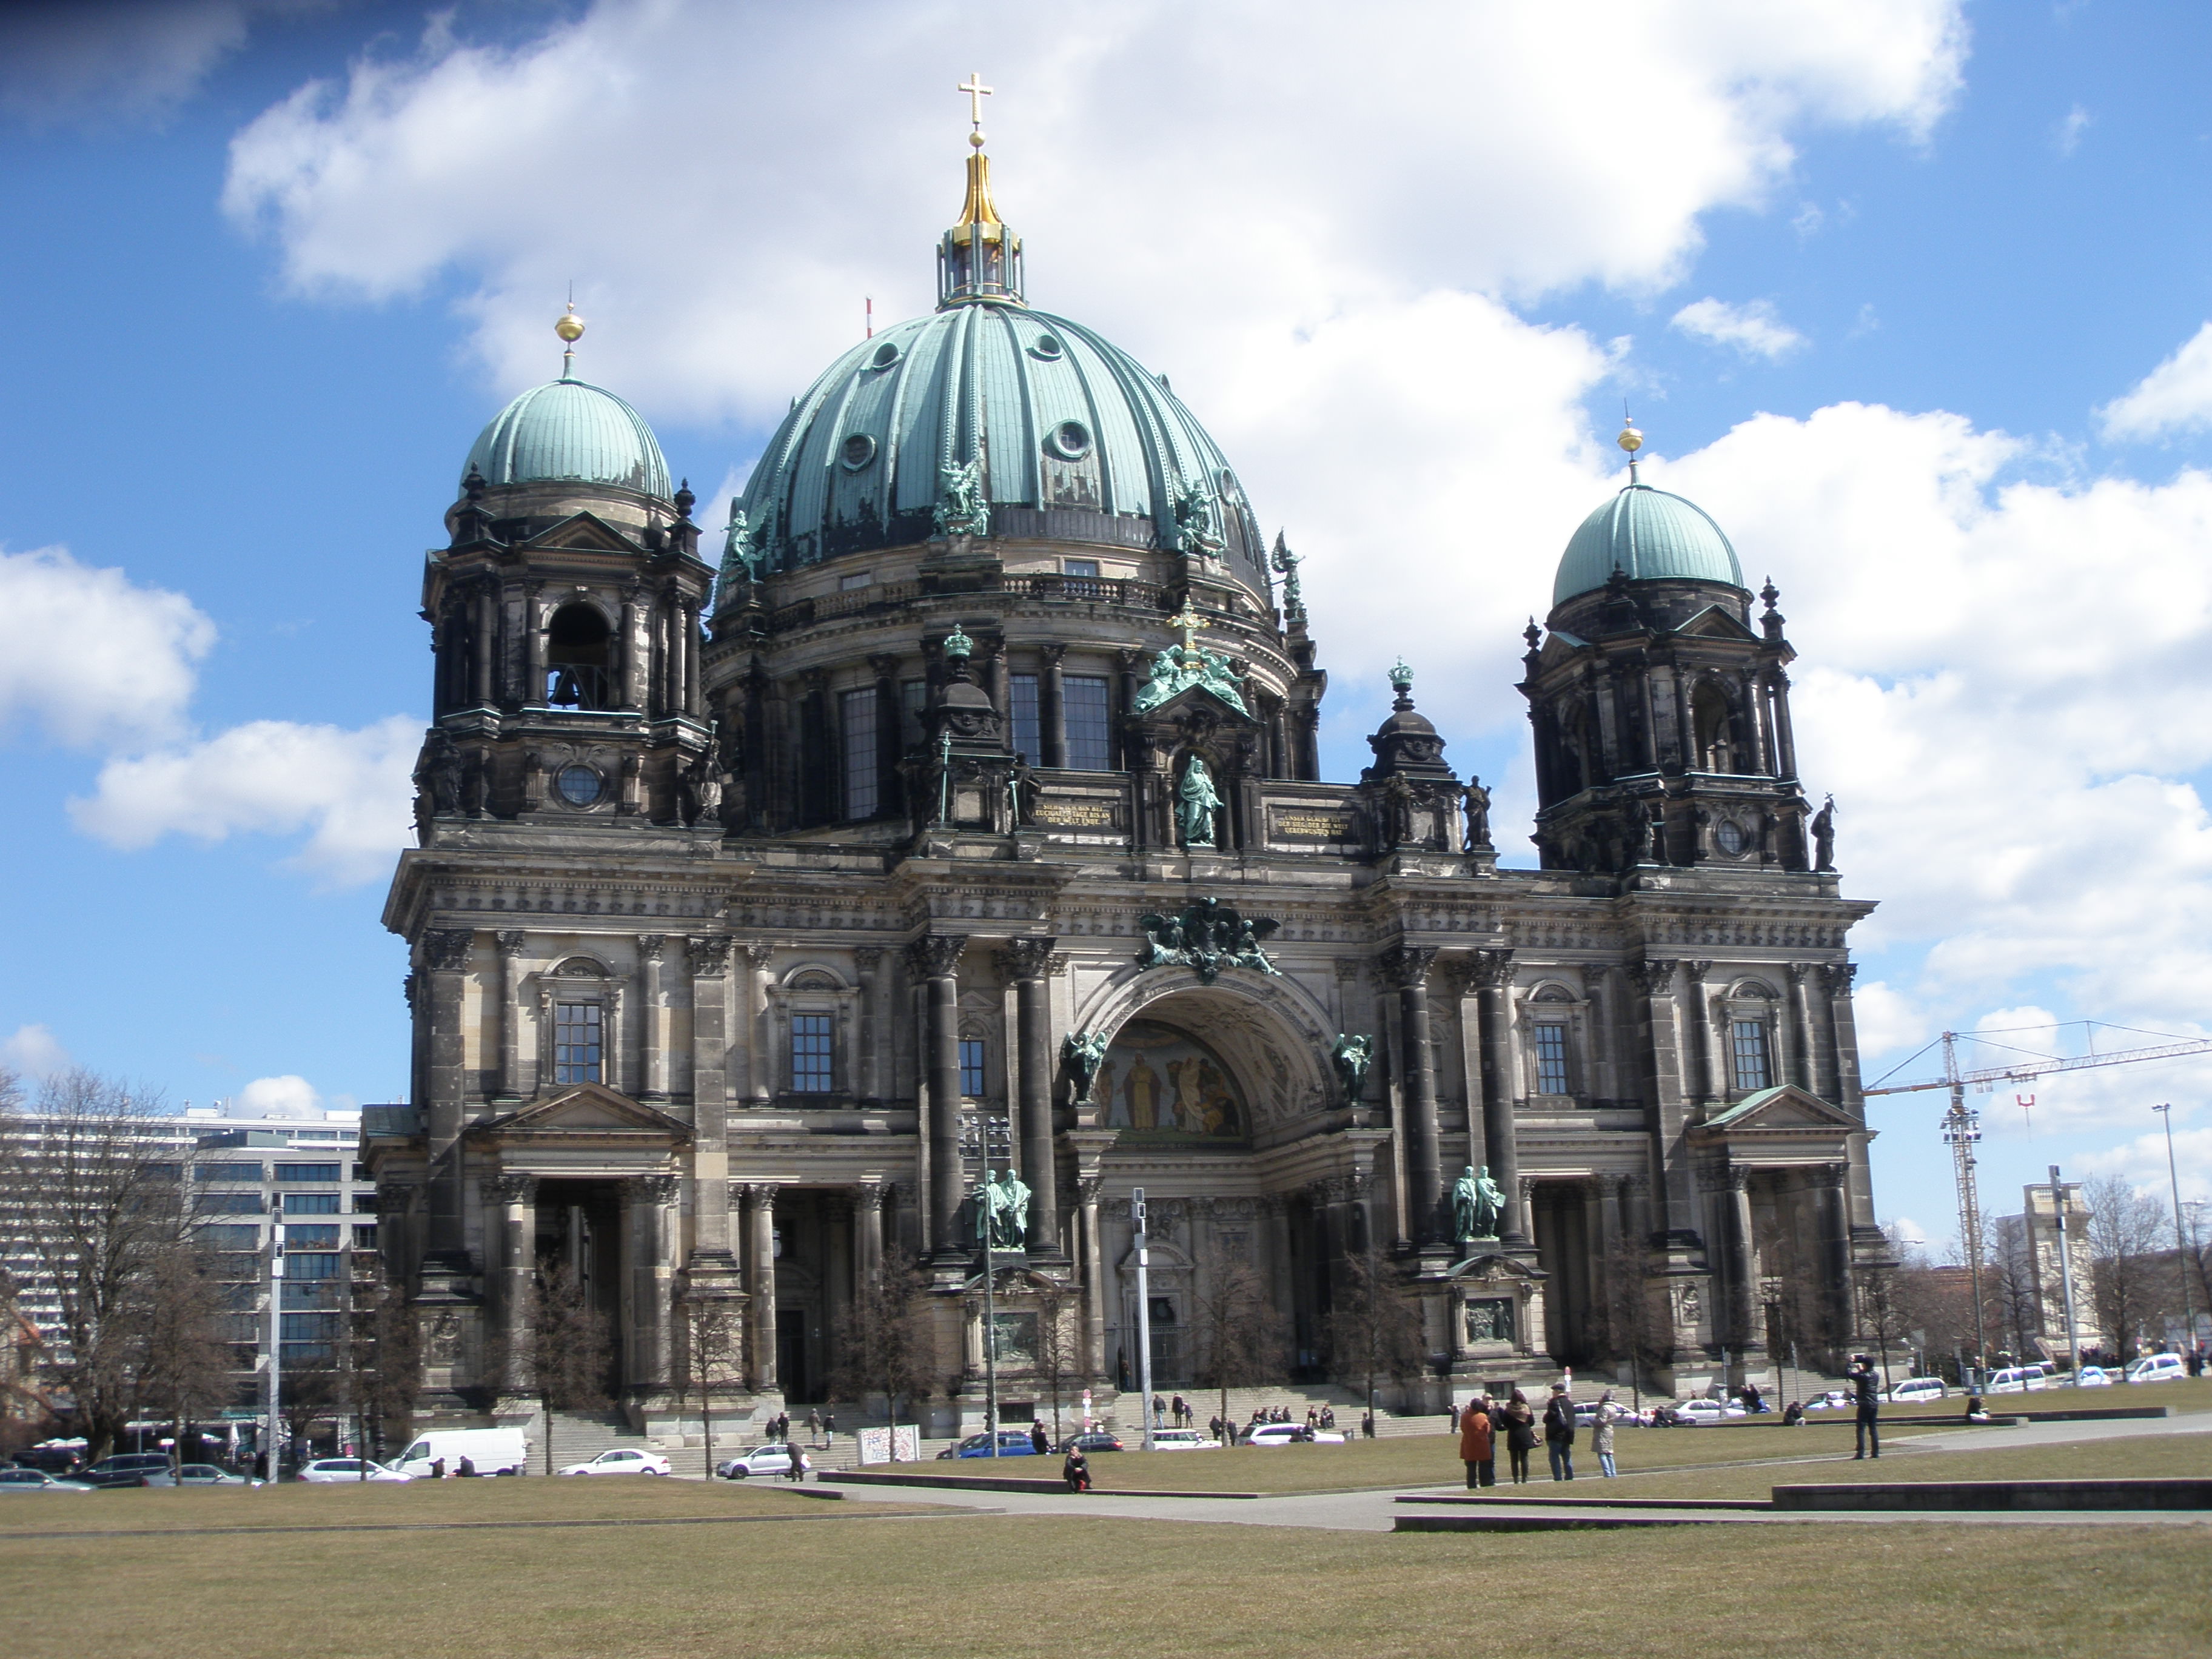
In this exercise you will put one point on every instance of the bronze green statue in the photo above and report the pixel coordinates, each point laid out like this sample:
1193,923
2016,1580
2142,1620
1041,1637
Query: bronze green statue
1196,802
1352,1056
1476,1205
1081,1053
1002,1212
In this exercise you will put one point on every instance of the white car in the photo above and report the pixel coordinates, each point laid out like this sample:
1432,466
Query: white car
335,1471
621,1461
1291,1434
1188,1439
1917,1391
1835,1400
2159,1368
1705,1413
2094,1377
763,1460
2020,1379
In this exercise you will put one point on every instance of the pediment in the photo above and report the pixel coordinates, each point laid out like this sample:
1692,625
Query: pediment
1715,622
1195,700
1785,1110
585,532
589,1109
1491,1266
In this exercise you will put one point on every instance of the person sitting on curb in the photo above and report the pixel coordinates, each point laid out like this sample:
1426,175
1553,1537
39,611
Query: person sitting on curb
1076,1471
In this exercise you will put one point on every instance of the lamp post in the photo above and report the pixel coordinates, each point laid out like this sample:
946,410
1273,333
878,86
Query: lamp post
1144,1309
2065,1274
2181,1261
275,1350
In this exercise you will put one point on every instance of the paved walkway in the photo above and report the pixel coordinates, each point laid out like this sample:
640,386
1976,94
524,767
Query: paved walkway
1376,1511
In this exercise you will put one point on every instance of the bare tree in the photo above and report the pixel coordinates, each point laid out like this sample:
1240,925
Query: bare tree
1059,1345
1639,1341
185,1366
566,1348
2126,1233
712,1359
1374,1332
884,1342
89,1198
388,1370
1238,1347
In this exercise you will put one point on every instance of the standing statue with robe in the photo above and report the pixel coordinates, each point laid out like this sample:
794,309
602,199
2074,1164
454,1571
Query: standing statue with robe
1196,802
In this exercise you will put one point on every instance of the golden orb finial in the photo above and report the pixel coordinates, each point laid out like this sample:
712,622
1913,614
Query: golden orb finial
571,328
1630,439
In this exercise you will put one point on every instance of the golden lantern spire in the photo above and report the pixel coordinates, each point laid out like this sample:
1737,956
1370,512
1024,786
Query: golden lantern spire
571,328
979,258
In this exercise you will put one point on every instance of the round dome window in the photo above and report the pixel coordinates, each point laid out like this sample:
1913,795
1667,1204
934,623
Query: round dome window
579,786
1070,441
886,354
1730,836
1046,347
856,452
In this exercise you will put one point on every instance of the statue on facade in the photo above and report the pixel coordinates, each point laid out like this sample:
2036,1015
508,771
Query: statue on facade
1021,790
1196,802
985,1199
1081,1055
1478,816
1194,517
1282,559
961,509
1824,836
441,774
1352,1056
702,790
1476,1205
1206,936
1013,1213
1398,803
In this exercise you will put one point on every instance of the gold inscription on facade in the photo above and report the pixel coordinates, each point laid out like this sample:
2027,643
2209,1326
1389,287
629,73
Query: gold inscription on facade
1314,826
1076,814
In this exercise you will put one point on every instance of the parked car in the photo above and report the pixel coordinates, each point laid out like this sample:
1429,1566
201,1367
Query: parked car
2094,1377
207,1474
334,1471
1917,1391
1012,1443
494,1451
763,1460
2159,1368
1091,1440
1200,1440
2020,1379
1289,1434
38,1481
621,1461
134,1463
1835,1400
1705,1413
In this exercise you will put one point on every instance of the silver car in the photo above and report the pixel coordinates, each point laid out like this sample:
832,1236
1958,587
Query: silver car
334,1471
38,1481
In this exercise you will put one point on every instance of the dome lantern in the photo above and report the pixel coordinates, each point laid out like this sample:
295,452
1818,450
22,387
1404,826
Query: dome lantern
979,260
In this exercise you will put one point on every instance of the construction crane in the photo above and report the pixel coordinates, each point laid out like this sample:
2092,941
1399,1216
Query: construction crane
1962,1128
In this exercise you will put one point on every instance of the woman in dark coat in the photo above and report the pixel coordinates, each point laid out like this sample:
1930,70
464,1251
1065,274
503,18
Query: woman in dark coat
1076,1471
1478,1445
1520,1435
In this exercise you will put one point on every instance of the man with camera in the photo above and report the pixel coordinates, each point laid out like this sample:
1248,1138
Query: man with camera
1866,1386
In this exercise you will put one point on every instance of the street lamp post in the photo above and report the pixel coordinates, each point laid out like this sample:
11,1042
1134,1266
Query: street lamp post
2065,1274
276,1349
2181,1263
1144,1309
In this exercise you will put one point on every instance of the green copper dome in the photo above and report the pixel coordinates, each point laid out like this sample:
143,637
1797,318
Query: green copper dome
1062,437
1651,535
570,429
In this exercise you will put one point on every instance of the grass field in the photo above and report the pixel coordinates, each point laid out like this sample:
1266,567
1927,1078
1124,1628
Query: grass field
846,1582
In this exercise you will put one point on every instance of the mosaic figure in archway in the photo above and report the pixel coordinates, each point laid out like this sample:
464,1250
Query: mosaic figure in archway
1159,1080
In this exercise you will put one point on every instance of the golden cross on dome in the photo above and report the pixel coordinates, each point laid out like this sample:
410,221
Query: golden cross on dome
977,92
1188,619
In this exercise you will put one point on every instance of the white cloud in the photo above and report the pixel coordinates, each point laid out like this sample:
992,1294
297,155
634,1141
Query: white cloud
2066,136
1752,329
2175,397
33,1052
123,60
348,789
1309,163
1908,1232
289,1095
93,658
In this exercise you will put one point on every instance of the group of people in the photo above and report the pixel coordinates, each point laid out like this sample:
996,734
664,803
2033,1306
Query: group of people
821,1427
1483,1419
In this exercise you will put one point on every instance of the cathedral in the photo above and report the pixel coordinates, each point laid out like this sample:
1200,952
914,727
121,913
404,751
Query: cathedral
955,815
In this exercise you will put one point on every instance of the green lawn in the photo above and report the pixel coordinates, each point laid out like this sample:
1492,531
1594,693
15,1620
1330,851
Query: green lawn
984,1587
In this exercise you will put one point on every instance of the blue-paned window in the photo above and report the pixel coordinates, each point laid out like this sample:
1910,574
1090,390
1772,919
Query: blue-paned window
310,1238
1090,723
310,1266
575,1042
229,1237
1028,730
811,1069
311,1203
229,1172
856,716
306,1172
1754,1067
231,1203
971,1067
1551,1059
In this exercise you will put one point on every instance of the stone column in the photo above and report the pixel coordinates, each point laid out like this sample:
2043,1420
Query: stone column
759,1199
1051,687
487,631
868,1240
631,663
1807,1069
1743,1300
1095,1285
1407,968
652,1019
687,622
1709,1061
935,960
760,1065
708,959
1832,1200
445,960
875,1026
1844,1052
1493,978
648,1278
1669,1111
1026,962
516,1199
511,942
1467,1016
533,643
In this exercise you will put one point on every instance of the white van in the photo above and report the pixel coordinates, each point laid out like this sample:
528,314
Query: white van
2020,1379
2159,1368
1917,1390
494,1451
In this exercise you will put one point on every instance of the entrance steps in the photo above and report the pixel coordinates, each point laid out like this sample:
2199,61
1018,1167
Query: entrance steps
578,1437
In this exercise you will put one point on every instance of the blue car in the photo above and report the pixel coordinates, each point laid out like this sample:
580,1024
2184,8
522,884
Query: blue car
1012,1443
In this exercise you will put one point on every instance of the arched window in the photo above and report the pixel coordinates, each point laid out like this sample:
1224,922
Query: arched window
1714,723
579,658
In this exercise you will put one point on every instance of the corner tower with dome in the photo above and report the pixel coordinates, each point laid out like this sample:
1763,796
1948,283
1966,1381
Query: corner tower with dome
963,818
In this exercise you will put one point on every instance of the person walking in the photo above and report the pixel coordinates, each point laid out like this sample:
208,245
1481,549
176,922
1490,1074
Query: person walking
1478,1445
798,1471
1865,1386
1559,1432
1608,1413
1040,1442
828,1429
813,1427
1520,1435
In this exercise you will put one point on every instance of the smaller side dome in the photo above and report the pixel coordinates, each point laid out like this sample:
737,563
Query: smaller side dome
570,430
1648,535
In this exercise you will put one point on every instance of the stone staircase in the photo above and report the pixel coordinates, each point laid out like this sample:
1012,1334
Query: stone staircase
578,1437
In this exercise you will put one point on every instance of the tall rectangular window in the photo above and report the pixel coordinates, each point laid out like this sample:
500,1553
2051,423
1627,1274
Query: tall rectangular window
971,1067
575,1042
811,1072
1752,1069
914,697
1551,1059
311,1204
1029,728
856,716
1090,723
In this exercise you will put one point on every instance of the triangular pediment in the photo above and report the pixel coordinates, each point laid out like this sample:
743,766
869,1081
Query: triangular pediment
1715,622
1196,699
585,532
1784,1109
589,1109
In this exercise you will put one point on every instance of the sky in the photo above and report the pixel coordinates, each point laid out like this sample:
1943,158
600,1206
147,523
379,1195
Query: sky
1914,296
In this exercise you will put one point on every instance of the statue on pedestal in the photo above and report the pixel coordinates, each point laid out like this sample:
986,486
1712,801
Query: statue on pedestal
1196,802
1352,1056
1476,1205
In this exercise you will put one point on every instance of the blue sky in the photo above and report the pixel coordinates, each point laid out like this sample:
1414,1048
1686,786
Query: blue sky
1903,292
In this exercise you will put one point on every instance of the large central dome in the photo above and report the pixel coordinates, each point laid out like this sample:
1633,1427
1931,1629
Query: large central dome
1058,434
